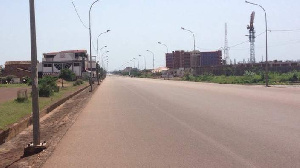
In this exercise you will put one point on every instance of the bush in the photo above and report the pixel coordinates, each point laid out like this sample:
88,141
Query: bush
78,82
67,75
294,78
9,78
45,90
47,85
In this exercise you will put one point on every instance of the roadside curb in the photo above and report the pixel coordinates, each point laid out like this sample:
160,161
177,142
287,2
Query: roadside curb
16,128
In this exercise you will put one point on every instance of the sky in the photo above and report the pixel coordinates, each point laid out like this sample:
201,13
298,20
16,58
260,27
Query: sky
138,25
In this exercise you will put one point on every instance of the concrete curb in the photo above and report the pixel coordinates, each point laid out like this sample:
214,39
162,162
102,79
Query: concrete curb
16,128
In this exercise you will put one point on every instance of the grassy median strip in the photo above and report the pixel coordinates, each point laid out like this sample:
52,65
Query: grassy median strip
248,78
13,85
12,111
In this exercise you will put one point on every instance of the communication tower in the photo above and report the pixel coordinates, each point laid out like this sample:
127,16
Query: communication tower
252,38
226,48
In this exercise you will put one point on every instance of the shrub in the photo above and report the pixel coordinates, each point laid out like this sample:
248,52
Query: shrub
294,78
47,85
67,75
45,91
78,82
9,78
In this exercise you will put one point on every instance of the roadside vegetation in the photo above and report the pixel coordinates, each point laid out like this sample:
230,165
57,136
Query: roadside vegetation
248,78
139,74
49,92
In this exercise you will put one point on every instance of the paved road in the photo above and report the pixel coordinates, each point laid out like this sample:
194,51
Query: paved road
156,123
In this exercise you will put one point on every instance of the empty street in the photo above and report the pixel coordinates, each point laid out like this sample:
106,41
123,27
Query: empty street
132,122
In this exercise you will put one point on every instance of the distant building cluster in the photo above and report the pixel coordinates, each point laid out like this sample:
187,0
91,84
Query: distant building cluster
183,59
51,65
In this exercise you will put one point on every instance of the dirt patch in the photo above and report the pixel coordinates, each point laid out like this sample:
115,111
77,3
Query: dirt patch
7,94
53,127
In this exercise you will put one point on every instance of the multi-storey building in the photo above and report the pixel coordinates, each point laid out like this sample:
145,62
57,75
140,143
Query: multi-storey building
75,60
169,60
19,69
211,58
194,59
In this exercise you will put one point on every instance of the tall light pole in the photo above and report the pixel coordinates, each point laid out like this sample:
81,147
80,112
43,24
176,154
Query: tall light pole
97,69
98,40
133,60
193,37
153,57
102,48
34,77
167,52
102,56
144,60
165,46
90,33
266,23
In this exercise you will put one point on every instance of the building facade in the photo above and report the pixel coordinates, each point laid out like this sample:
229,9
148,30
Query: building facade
20,69
182,59
75,60
212,58
169,60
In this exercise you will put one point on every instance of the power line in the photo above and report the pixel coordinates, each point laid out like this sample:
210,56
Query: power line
78,15
287,30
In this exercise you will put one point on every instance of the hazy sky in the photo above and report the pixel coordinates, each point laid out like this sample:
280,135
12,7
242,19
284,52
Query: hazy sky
137,25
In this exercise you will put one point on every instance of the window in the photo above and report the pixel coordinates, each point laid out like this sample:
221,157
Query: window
76,64
47,65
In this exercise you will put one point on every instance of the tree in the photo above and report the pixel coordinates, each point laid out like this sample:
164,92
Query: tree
67,75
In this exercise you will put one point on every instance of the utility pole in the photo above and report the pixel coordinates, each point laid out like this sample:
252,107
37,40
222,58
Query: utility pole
34,77
36,147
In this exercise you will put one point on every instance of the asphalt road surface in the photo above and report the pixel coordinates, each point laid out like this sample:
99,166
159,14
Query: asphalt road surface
155,123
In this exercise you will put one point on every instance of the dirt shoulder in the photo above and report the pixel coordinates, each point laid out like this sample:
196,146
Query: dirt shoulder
7,94
53,127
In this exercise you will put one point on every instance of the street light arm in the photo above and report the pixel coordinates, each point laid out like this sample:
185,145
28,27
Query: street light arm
164,45
193,36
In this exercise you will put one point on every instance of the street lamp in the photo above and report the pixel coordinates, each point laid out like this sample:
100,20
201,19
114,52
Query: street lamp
165,46
98,39
133,62
167,52
90,33
153,57
193,36
266,23
102,56
102,48
97,69
144,60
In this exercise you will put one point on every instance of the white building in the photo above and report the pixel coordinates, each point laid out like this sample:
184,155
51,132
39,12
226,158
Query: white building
75,60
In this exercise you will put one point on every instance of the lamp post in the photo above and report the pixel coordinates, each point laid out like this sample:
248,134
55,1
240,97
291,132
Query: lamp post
102,48
98,40
102,56
97,69
153,57
266,23
165,46
167,52
133,62
193,36
90,33
144,60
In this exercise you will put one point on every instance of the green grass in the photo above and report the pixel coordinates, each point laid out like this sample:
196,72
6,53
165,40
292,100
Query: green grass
248,78
12,111
13,85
